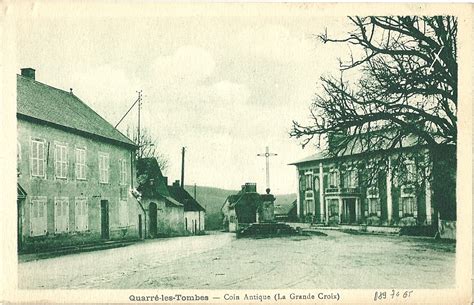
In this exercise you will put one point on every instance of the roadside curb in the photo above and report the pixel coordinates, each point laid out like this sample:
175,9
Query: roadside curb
27,257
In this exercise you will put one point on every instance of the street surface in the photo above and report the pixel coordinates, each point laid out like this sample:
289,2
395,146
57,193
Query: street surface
220,261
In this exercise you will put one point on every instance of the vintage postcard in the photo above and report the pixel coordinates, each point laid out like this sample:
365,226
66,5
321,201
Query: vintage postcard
236,153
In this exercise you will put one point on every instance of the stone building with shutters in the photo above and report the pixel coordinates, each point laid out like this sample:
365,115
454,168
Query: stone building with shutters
389,187
75,171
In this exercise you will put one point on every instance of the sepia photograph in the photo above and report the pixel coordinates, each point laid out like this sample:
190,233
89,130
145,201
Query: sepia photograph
239,152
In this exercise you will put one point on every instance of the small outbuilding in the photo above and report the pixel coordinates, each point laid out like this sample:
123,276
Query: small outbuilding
194,213
164,214
286,211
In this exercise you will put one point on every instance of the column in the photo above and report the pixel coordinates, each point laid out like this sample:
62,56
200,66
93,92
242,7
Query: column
340,210
298,199
357,208
428,200
327,212
389,191
321,194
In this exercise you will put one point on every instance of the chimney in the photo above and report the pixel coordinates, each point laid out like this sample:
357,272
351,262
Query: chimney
176,183
28,72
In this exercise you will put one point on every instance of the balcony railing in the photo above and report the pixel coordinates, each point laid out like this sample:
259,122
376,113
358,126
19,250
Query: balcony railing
345,190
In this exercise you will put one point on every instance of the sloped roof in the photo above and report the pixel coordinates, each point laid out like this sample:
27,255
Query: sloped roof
285,208
152,182
172,201
42,102
355,147
181,195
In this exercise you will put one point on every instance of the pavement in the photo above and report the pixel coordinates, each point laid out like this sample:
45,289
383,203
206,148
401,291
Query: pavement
221,261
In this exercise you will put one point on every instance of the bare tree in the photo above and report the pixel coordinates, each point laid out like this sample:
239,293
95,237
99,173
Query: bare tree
406,95
148,147
408,85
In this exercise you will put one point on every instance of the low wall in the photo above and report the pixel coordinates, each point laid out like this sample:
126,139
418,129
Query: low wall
447,229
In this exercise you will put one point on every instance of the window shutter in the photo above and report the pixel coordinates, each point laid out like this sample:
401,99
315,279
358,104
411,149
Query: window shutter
76,164
56,167
43,158
32,162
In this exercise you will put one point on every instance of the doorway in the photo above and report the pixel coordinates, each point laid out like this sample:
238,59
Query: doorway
349,210
152,211
20,223
140,233
104,219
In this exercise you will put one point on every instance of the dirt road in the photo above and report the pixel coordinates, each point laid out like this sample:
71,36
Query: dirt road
219,260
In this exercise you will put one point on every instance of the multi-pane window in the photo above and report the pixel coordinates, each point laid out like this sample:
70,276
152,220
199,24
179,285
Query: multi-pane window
61,214
333,178
123,213
37,158
333,207
60,160
374,206
38,216
123,172
302,182
309,206
81,214
373,201
81,163
309,180
409,206
350,178
410,171
103,168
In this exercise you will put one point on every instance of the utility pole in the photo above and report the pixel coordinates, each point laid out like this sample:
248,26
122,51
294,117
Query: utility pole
139,101
182,166
138,132
267,156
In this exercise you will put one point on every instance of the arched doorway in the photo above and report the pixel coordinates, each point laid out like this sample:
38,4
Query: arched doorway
153,215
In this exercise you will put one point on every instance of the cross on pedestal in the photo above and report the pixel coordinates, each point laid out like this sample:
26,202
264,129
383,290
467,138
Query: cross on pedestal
267,156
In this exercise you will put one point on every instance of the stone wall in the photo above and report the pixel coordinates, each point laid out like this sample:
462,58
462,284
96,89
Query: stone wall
70,187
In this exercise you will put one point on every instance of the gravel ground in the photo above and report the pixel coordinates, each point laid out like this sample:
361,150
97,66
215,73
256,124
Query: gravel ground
220,261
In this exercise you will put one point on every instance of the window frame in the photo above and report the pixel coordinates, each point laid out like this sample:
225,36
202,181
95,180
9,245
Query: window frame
81,218
34,220
410,168
104,172
333,175
63,164
78,165
58,226
308,176
41,142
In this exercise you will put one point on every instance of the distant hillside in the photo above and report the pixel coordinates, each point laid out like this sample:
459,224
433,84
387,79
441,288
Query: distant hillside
212,199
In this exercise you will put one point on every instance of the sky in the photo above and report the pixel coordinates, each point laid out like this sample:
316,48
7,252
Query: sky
223,87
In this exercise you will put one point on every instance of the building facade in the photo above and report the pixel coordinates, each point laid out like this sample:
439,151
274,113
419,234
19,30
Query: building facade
194,213
75,171
164,215
393,189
